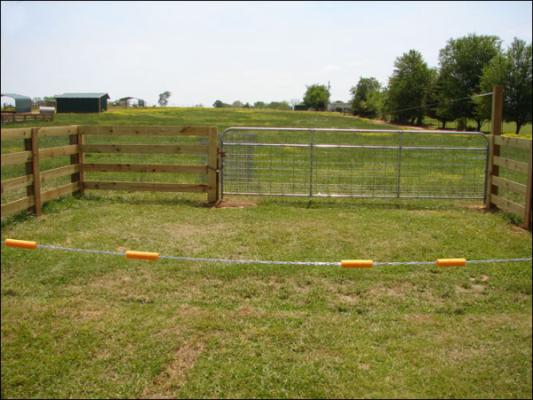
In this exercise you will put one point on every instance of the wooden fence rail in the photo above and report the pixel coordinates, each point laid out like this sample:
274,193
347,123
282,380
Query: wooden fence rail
31,159
210,150
23,117
34,177
77,148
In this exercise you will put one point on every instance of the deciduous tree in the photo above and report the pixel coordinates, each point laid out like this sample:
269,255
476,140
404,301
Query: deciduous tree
513,71
317,97
409,88
163,98
461,65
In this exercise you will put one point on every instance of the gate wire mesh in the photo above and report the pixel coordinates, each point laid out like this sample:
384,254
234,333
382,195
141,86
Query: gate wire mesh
353,163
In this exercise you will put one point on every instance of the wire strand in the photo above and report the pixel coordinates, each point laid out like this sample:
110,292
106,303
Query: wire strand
269,262
435,105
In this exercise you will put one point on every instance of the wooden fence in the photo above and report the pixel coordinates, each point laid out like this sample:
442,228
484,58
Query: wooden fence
32,155
30,158
495,181
23,117
76,167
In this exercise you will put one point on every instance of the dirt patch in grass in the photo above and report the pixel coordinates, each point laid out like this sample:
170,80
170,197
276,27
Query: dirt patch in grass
348,299
463,354
518,229
89,315
482,278
422,319
174,375
399,291
470,289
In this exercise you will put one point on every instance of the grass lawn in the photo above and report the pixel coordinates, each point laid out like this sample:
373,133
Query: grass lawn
219,117
508,128
85,325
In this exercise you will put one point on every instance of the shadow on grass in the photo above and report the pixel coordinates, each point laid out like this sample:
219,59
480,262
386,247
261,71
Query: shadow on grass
388,204
132,199
165,199
17,219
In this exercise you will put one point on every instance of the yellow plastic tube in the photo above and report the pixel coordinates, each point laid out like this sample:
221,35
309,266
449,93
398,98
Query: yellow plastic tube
142,255
21,244
451,262
357,263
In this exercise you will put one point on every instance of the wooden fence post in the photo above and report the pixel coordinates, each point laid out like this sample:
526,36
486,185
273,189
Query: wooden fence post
494,149
527,212
33,143
77,159
212,172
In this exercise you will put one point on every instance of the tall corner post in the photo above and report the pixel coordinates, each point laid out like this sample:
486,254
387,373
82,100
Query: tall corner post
212,166
494,149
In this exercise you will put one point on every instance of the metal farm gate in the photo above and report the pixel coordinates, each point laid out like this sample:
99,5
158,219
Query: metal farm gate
353,163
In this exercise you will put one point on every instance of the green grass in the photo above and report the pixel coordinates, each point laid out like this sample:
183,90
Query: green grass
508,128
85,325
219,117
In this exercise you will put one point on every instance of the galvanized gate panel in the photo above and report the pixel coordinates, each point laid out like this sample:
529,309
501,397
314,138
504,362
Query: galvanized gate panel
353,163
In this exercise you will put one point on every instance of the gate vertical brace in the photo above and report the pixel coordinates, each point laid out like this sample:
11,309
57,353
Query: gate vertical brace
311,160
487,169
527,211
221,164
398,175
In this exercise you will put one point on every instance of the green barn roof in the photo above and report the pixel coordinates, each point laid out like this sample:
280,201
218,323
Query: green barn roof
22,103
15,96
81,95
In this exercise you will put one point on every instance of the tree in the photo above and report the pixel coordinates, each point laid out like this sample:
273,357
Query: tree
237,104
259,104
279,105
518,102
317,97
409,88
163,98
49,100
461,66
220,104
493,74
513,71
441,108
366,100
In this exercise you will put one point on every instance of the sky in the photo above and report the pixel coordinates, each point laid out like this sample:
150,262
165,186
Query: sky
247,51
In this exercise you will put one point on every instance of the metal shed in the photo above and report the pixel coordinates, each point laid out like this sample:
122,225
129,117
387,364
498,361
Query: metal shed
81,102
22,103
130,101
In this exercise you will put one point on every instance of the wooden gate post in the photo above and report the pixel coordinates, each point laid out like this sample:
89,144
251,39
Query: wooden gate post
527,212
494,149
212,170
78,159
35,170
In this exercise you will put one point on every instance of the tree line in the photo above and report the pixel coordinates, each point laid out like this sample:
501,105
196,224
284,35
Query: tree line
456,90
274,105
468,67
